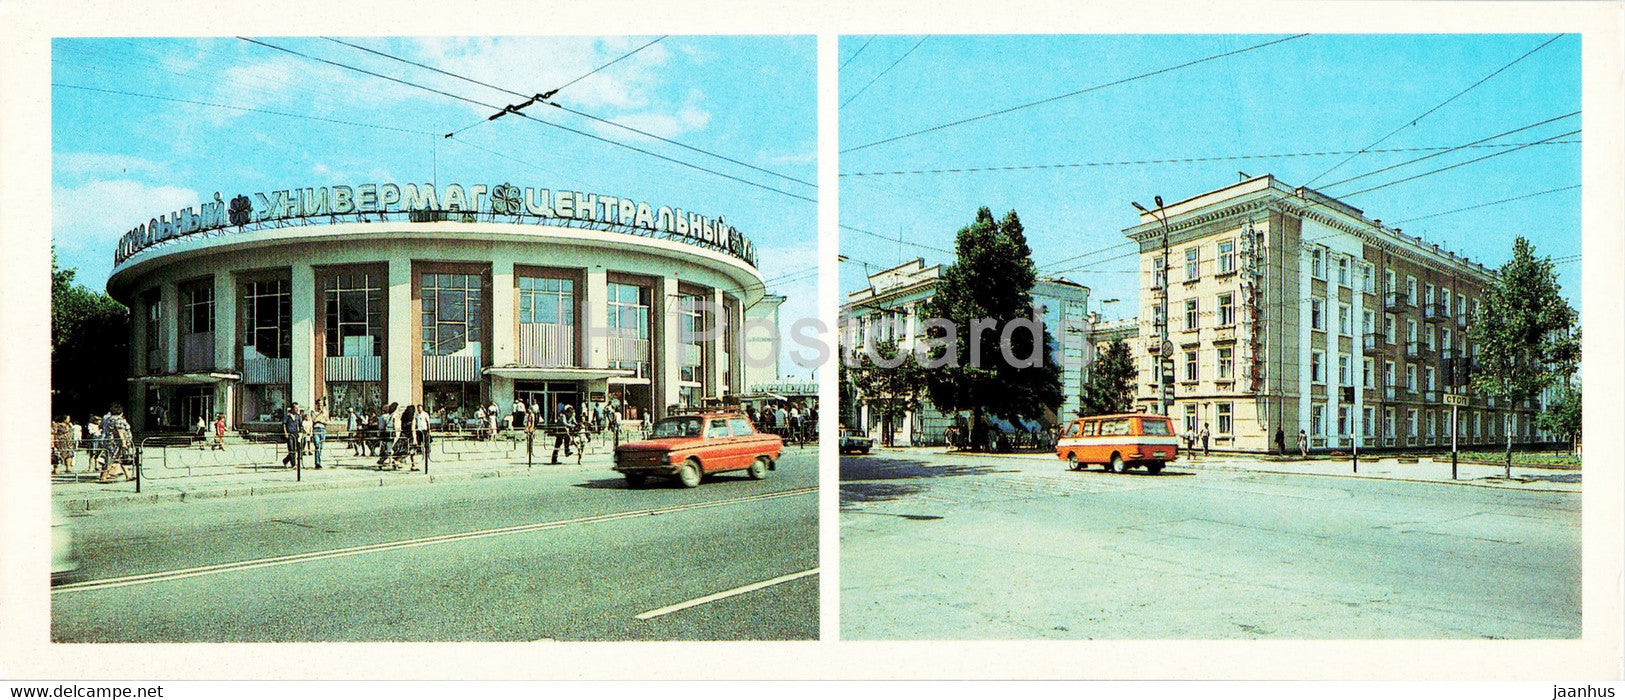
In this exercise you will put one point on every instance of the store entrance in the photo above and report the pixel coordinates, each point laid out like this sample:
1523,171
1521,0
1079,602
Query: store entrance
195,402
547,396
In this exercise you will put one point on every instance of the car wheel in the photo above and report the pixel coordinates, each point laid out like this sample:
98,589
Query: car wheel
1117,464
636,481
1154,468
758,469
1072,462
689,474
864,451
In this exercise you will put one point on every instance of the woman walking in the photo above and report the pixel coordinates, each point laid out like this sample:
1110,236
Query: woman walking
117,436
386,437
62,445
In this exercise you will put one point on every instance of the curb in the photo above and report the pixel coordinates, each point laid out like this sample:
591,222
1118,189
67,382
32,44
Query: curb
97,503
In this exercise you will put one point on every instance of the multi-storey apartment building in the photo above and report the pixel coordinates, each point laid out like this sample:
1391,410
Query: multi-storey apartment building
1288,310
892,307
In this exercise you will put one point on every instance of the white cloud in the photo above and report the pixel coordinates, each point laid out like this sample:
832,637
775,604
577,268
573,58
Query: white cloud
87,220
81,166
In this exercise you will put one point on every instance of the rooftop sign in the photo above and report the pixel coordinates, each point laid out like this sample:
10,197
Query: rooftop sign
425,202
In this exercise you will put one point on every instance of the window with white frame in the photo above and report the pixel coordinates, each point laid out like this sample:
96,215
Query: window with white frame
1388,279
1342,419
1388,422
1433,336
1191,315
1410,330
1227,256
1431,376
1316,359
1317,419
1317,264
1365,321
1317,314
1365,372
1433,424
1223,412
1190,366
1410,420
1345,370
1227,309
1367,278
1410,289
1388,373
1388,328
1159,276
1446,340
1227,362
1428,291
1193,268
1444,299
1345,319
1190,418
1343,271
1410,378
1365,420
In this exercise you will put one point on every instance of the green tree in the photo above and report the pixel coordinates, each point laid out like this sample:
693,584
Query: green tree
892,387
1525,334
89,347
1110,387
1563,417
988,287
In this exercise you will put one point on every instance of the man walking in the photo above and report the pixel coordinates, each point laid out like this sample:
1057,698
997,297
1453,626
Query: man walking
566,430
292,424
318,431
1303,444
1205,436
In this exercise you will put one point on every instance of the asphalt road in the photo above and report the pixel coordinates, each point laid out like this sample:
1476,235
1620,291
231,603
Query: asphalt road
570,555
950,547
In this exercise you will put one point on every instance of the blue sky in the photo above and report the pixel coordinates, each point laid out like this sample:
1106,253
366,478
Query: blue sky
1307,95
121,159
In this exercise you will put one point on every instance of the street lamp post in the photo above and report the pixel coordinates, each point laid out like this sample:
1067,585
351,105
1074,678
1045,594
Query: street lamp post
1164,358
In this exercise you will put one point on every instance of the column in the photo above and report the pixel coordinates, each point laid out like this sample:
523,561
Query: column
667,344
169,325
1357,364
402,351
504,344
225,342
595,302
718,346
302,362
1305,337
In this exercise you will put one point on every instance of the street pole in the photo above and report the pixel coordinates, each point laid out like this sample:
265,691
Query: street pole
1164,357
1454,411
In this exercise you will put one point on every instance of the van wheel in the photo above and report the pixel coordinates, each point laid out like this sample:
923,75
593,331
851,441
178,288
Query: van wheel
1154,467
689,474
758,469
1117,464
1072,462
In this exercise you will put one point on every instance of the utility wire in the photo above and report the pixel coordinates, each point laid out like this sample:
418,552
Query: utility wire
1167,161
1074,93
542,97
1474,144
244,109
1487,204
623,57
889,239
1436,107
881,73
1456,165
535,119
860,50
549,93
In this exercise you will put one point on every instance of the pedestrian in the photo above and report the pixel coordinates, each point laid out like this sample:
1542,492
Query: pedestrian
406,427
1303,444
386,436
292,424
352,428
479,422
565,430
78,438
1280,441
200,432
1205,436
219,431
517,418
62,445
93,433
318,431
613,423
118,437
420,430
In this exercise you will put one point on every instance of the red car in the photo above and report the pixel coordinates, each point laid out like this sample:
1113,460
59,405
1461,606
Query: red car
693,445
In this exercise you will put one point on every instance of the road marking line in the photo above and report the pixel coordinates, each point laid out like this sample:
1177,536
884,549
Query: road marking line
177,574
657,612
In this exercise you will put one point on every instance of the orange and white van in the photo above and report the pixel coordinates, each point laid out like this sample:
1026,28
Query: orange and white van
1119,442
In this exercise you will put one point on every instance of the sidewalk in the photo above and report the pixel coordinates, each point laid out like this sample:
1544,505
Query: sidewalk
247,469
1422,469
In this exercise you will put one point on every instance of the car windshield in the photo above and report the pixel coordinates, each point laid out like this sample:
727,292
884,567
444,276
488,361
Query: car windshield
676,427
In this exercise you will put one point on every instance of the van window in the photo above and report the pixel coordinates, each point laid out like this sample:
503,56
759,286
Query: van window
1154,426
1074,430
1091,429
1117,426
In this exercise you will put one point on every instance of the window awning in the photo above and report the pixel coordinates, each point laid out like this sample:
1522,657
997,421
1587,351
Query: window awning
185,378
558,373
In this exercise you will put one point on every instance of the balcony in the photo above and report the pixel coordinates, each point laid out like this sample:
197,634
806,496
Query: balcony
1414,350
1436,312
264,370
1396,302
452,368
546,345
1430,396
197,351
1461,319
1373,341
353,368
1388,393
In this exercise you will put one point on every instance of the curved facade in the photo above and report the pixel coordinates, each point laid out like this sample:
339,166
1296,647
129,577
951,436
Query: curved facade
243,319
